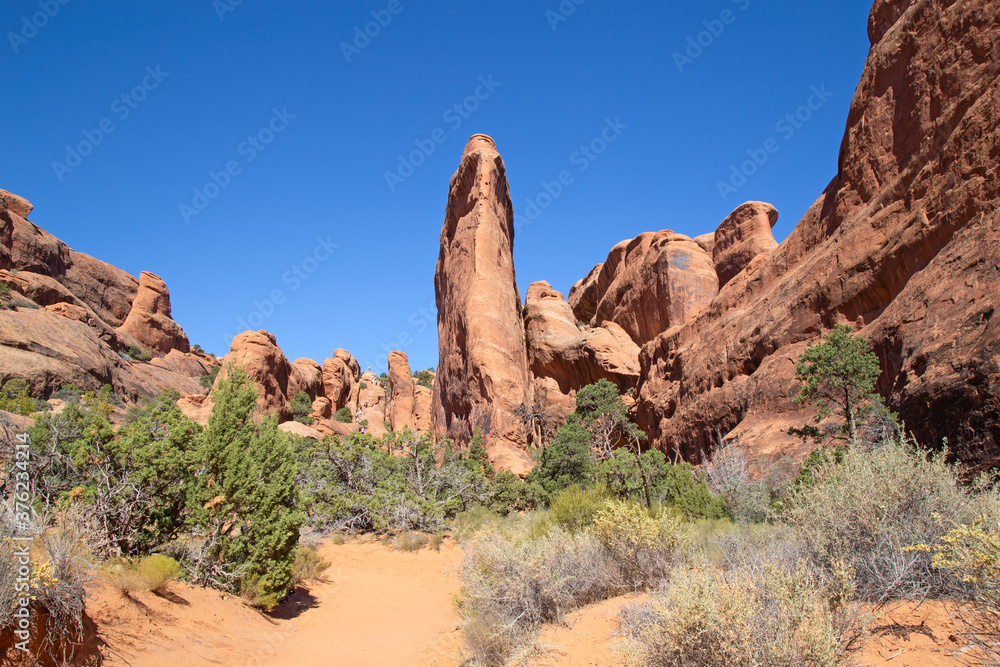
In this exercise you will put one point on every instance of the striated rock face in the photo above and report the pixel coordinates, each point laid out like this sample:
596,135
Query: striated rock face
72,329
647,285
563,357
107,290
482,375
902,244
373,406
149,321
401,384
742,237
257,353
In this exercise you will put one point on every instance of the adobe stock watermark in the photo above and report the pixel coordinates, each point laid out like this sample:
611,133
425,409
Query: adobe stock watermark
223,7
562,13
295,277
454,116
122,107
581,158
419,320
714,28
248,149
787,126
363,35
31,25
22,539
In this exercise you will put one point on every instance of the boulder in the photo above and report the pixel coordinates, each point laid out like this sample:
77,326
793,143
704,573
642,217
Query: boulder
301,430
17,205
482,376
570,356
321,408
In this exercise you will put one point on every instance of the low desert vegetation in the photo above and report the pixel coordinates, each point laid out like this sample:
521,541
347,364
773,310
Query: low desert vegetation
15,397
157,499
747,562
137,353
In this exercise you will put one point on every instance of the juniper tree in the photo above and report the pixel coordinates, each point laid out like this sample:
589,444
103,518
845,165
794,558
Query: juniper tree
839,375
246,504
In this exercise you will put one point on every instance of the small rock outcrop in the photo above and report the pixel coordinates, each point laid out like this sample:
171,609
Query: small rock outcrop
16,204
341,377
306,376
149,321
742,237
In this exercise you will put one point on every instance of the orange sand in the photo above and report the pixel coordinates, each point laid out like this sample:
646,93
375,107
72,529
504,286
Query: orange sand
378,607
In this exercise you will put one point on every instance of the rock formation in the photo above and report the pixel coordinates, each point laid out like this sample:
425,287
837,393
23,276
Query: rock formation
401,385
306,375
482,375
902,245
647,285
74,317
742,237
563,356
257,353
149,320
15,204
341,376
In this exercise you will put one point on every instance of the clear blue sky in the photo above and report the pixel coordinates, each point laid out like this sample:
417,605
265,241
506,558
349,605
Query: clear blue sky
218,82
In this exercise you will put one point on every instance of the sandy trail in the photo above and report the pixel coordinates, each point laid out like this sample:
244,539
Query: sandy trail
378,607
386,608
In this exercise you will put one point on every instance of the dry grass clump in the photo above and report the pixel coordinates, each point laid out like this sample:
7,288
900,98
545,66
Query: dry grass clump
308,566
745,618
59,566
150,574
158,571
518,576
410,541
514,582
873,505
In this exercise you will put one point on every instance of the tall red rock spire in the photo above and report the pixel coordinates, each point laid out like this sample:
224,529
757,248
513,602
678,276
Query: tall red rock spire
482,376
